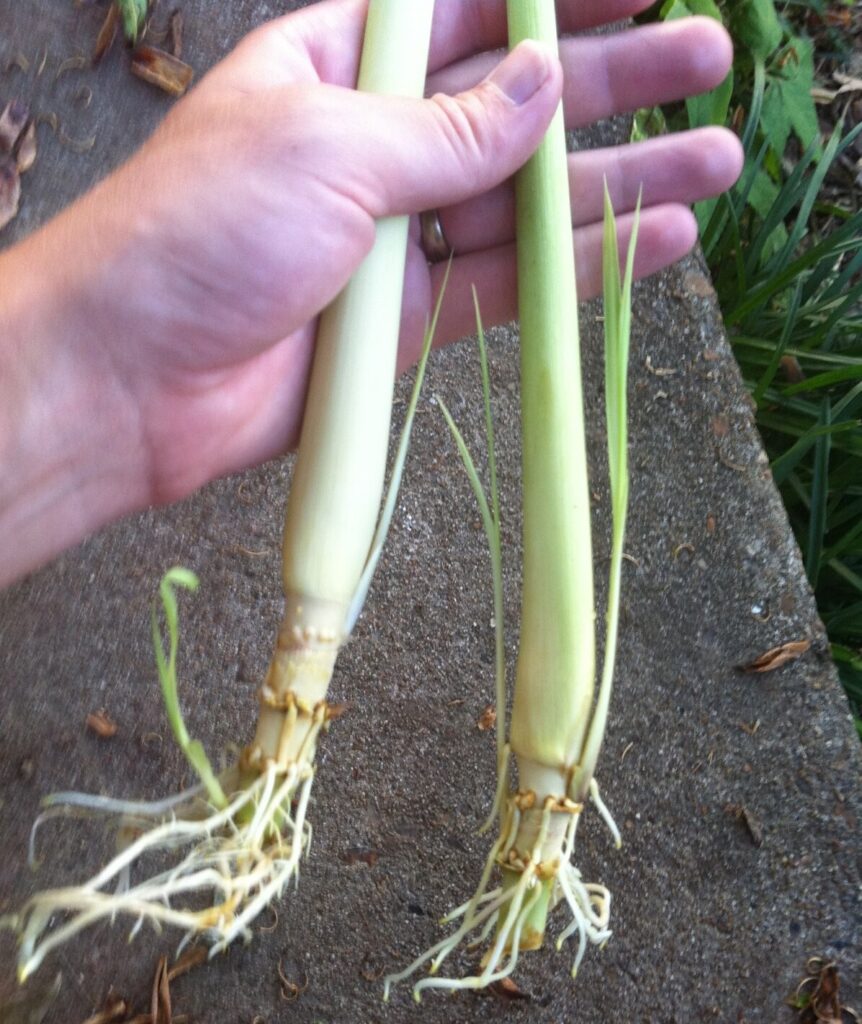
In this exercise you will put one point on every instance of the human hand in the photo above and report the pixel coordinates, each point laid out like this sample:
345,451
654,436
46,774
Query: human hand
189,320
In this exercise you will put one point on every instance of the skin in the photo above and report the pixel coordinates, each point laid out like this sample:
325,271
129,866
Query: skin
175,347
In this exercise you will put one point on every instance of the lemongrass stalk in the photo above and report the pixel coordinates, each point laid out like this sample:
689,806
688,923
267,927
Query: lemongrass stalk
557,722
245,832
555,674
556,660
338,480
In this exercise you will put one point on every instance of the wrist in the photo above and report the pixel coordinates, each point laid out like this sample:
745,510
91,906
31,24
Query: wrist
70,453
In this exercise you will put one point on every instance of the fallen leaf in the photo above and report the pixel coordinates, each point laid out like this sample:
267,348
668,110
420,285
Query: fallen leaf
102,724
162,69
361,855
749,819
775,657
507,990
116,1009
10,190
177,33
817,996
793,373
488,719
107,34
160,997
25,151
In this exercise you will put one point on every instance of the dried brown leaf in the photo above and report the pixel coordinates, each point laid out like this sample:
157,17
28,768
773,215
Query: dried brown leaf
290,990
817,996
192,958
177,33
115,1009
13,121
25,152
162,69
10,190
791,369
101,723
107,33
775,657
160,997
488,719
506,989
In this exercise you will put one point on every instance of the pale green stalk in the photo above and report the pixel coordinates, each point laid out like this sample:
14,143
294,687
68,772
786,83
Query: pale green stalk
556,727
556,660
338,480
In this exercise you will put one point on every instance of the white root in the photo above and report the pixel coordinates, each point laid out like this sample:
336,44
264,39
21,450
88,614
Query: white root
239,860
509,909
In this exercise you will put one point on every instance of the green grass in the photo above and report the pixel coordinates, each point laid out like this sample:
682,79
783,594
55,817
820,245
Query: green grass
790,288
785,250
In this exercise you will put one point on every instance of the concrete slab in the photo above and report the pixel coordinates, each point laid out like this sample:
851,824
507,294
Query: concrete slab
715,913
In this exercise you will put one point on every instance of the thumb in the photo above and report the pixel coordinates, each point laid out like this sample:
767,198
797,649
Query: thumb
419,154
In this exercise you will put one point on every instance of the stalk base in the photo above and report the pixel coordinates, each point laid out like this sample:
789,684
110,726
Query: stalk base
533,852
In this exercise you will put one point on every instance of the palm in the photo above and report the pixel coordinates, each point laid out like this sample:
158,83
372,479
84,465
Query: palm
233,393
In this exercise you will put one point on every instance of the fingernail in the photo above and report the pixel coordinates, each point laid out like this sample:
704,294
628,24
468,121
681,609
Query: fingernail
524,71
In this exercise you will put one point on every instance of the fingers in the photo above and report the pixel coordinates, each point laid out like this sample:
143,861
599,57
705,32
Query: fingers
666,234
680,168
324,40
609,75
391,156
463,28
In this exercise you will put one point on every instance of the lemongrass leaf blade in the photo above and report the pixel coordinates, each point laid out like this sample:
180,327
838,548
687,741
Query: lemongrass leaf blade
167,670
470,468
618,296
495,545
385,521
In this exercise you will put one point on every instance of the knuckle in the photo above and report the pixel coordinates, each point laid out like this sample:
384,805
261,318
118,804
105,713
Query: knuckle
467,126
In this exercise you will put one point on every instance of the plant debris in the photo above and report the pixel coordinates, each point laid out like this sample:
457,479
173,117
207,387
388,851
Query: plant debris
17,155
817,996
162,69
506,990
101,723
775,657
749,819
118,1010
176,25
487,719
361,855
107,34
290,990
